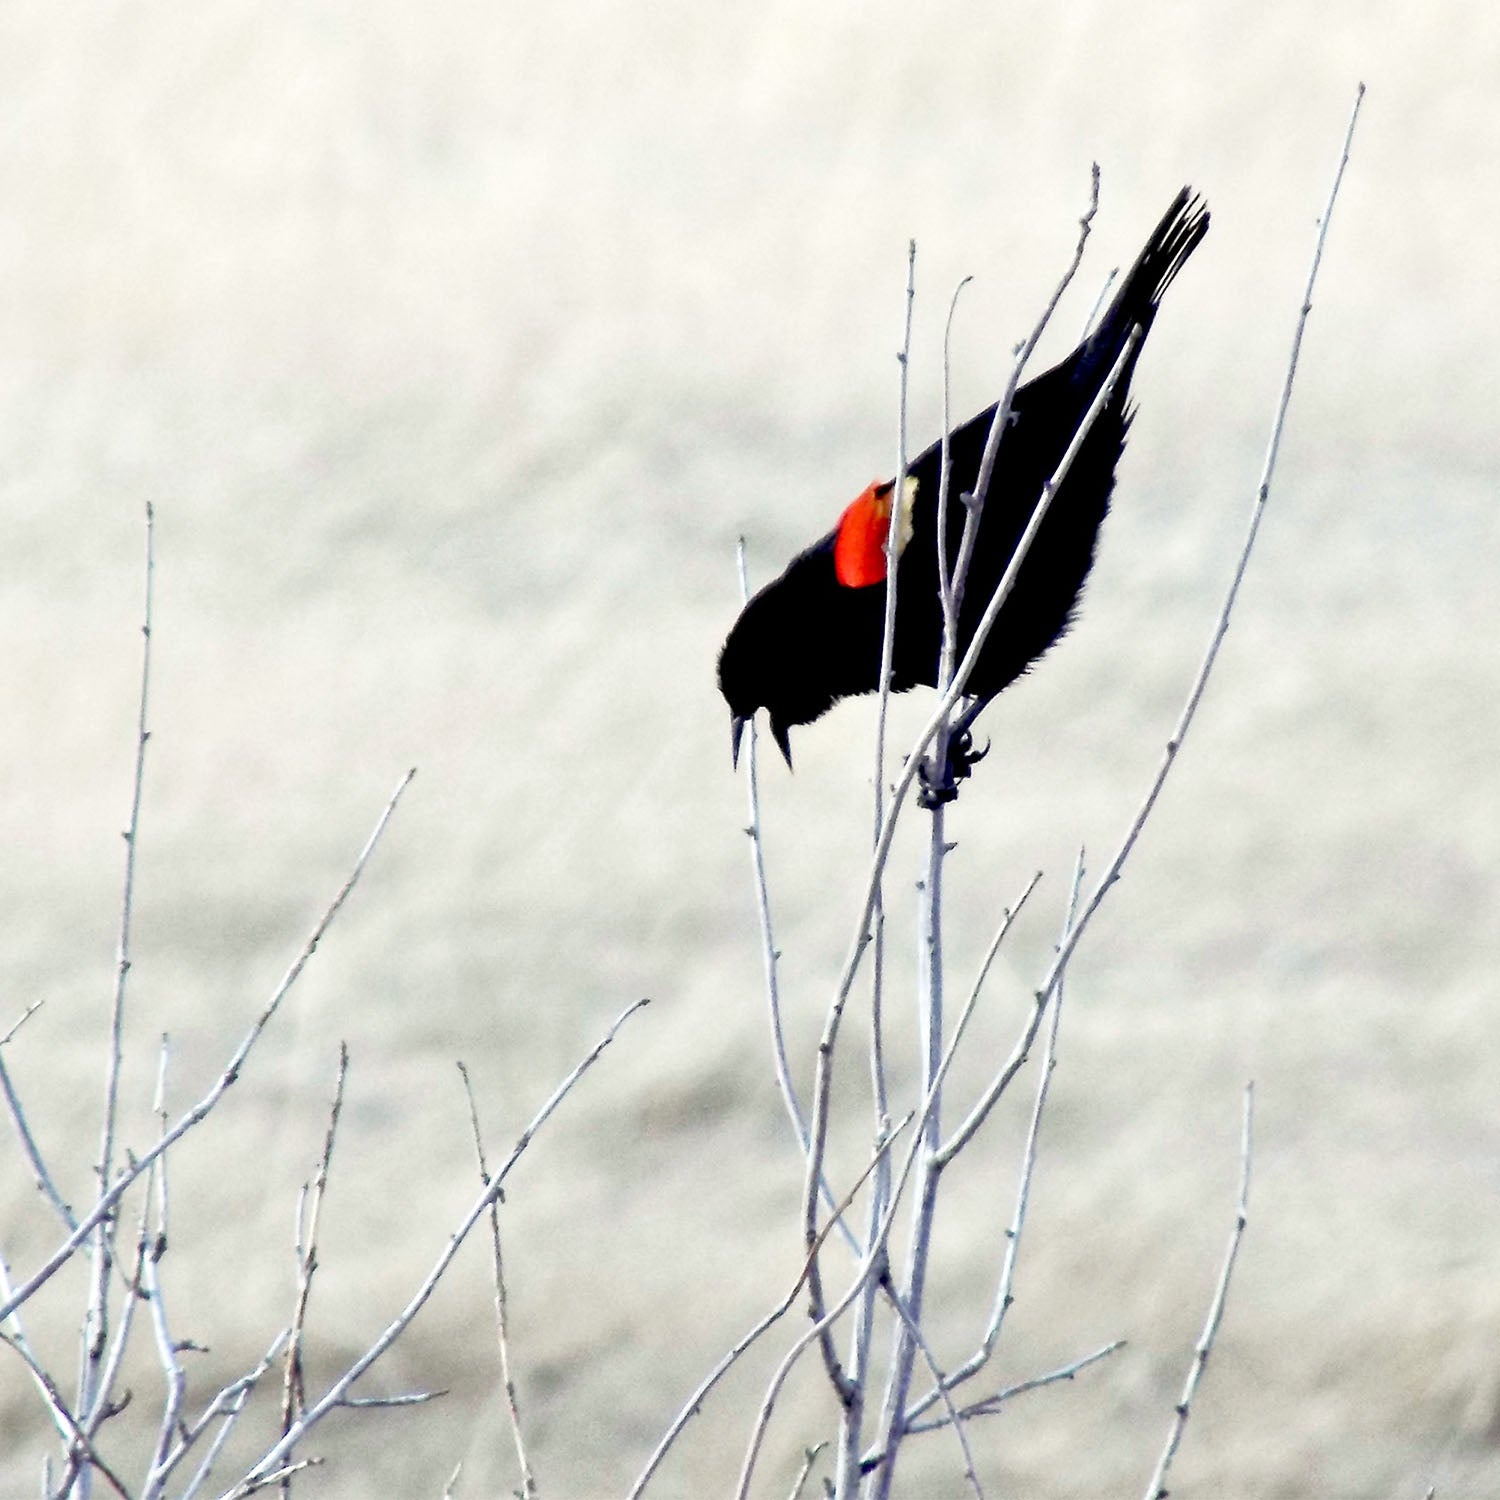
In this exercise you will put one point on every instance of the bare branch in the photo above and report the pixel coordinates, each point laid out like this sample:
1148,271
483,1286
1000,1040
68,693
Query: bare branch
954,1418
808,1460
1200,682
770,954
823,1073
850,1386
893,540
875,1253
513,1410
83,1451
1157,1489
935,725
694,1403
106,1203
105,1406
945,475
339,1390
991,1405
874,1256
61,1418
1098,307
778,1379
930,971
22,1019
166,1347
376,1403
1007,916
132,835
253,1483
39,1173
309,1211
1001,420
1003,1296
951,595
225,1409
96,1318
948,699
1221,625
1038,1382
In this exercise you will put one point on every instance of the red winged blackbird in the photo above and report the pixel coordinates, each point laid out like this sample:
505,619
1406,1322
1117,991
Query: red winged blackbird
813,635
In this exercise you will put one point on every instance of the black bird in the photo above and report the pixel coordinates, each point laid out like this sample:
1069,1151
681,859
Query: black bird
813,635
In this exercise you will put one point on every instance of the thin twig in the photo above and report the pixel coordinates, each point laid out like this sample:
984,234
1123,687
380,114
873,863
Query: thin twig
1007,916
954,1417
253,1483
1210,656
195,1116
945,467
1003,1292
225,1408
379,1403
930,1001
881,1150
309,1210
1157,1489
17,1337
930,1040
991,1405
770,954
893,538
951,588
809,1458
337,1392
976,499
1002,1080
24,1017
105,1407
96,1316
850,1388
64,1419
39,1173
167,1348
822,1076
1038,1382
694,1404
512,1407
799,1347
691,1407
147,1244
938,716
1098,307
874,1254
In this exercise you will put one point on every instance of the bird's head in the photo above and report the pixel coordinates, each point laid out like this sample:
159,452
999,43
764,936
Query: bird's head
747,680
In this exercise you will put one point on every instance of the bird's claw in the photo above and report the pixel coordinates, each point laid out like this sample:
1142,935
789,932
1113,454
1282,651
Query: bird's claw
962,758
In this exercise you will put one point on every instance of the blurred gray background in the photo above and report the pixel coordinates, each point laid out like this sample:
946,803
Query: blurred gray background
455,344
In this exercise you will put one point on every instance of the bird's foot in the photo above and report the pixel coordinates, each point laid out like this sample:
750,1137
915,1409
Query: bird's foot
962,758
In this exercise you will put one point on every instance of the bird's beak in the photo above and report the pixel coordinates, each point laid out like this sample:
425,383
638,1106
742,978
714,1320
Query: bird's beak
779,731
737,724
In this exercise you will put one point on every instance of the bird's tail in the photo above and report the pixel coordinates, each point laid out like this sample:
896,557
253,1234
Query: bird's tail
1181,229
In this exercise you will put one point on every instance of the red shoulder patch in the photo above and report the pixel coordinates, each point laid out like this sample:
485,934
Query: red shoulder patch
859,544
